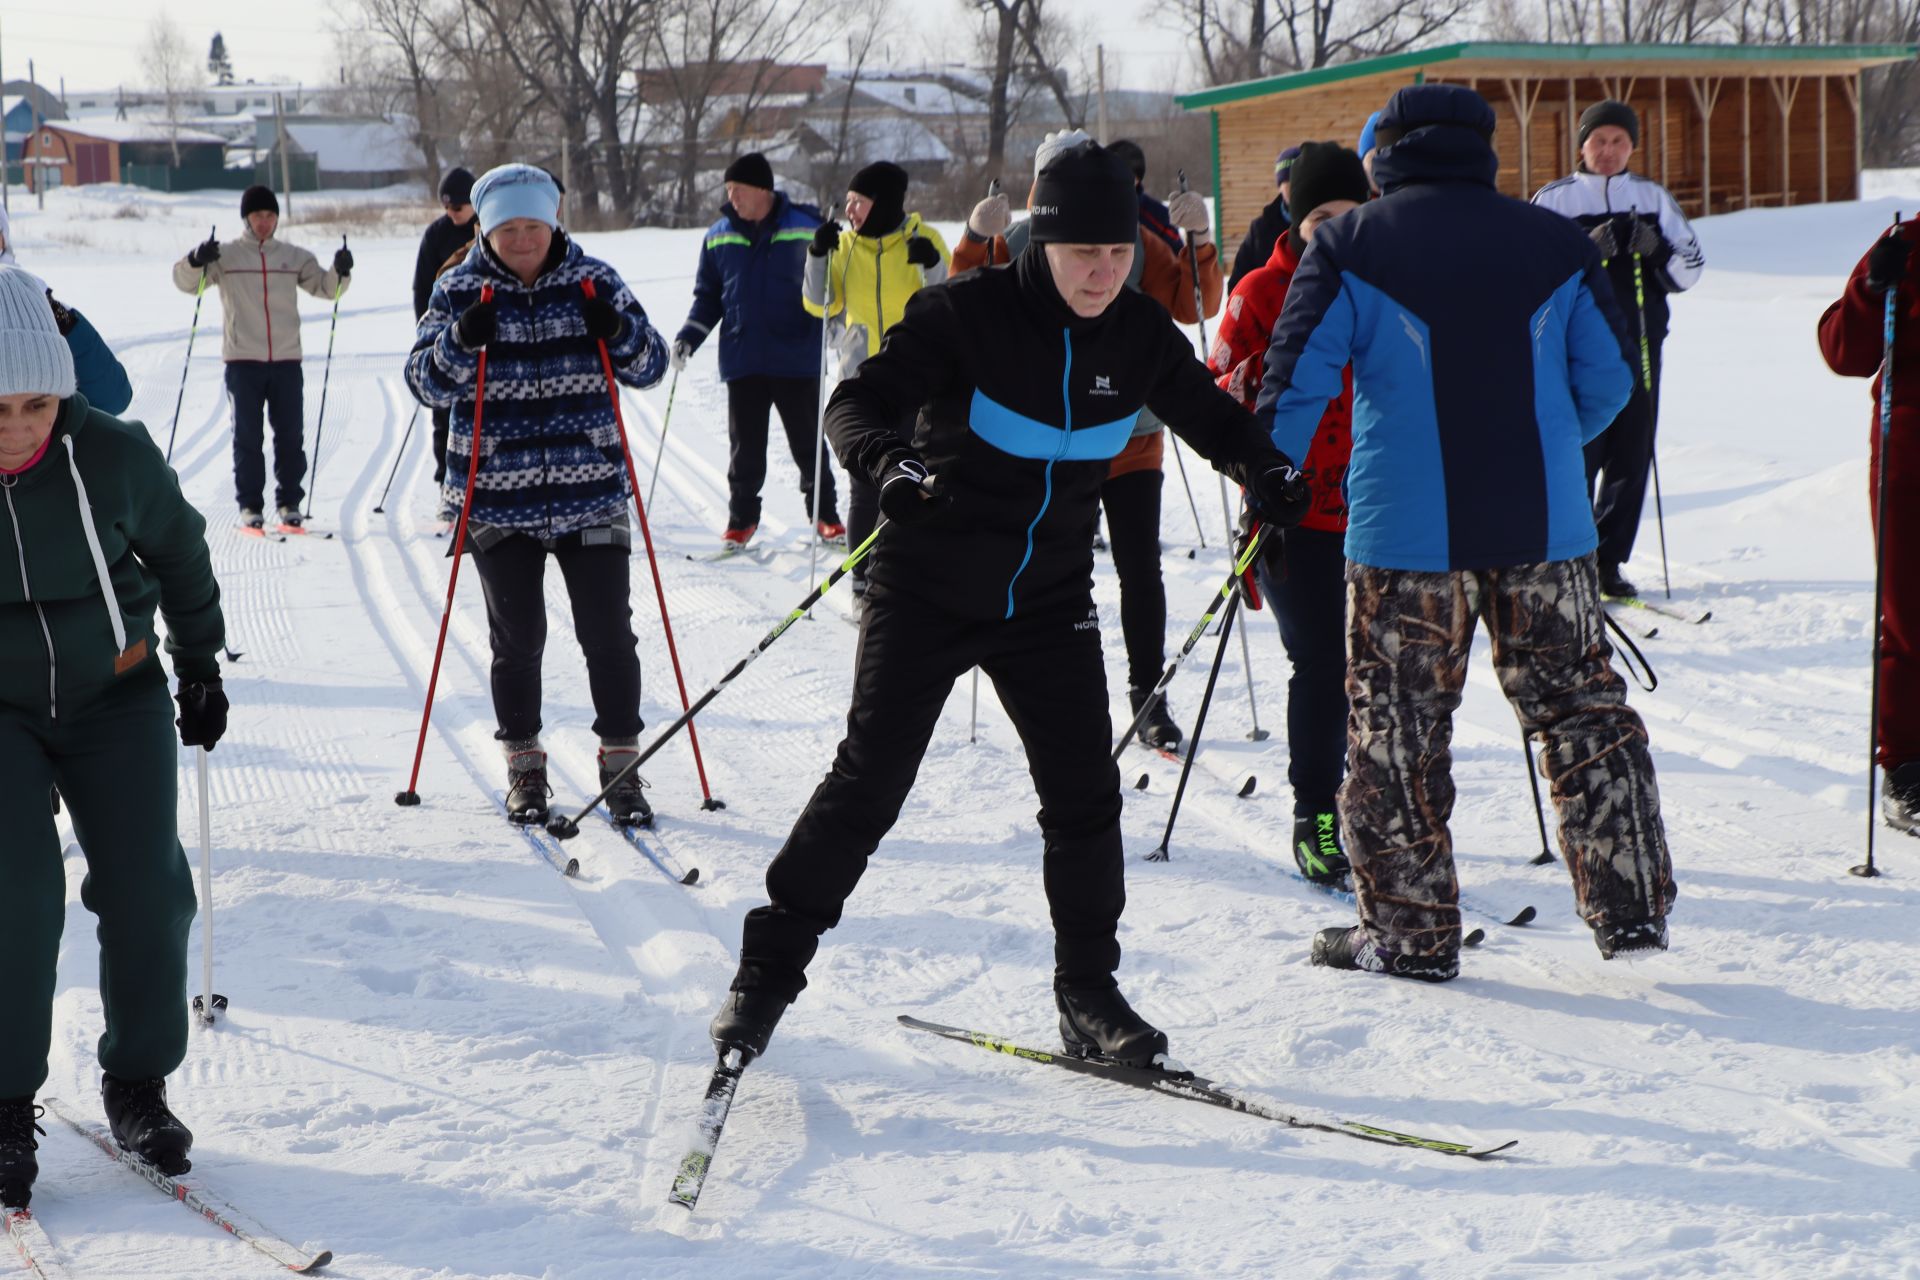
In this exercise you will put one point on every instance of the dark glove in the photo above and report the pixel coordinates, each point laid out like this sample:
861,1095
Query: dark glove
203,713
922,253
604,320
1648,242
63,318
343,261
907,493
476,326
204,254
826,239
1280,496
1605,240
1887,262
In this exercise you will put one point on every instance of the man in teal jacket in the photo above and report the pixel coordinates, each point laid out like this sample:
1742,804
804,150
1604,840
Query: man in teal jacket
96,537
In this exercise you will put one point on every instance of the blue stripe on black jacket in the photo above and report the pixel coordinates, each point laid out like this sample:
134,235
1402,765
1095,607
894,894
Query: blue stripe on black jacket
1486,351
749,284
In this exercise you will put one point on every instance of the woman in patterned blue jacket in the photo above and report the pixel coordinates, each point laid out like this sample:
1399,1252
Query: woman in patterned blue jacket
552,480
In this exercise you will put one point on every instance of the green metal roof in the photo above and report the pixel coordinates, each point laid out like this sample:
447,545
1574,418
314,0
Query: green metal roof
1569,53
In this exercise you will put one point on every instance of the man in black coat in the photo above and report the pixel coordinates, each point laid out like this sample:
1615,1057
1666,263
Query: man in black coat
1026,379
447,235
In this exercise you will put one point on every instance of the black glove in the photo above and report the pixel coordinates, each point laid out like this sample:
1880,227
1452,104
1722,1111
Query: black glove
1648,242
1887,262
203,713
826,239
476,326
63,318
203,254
921,252
1605,240
343,261
604,320
1280,496
907,495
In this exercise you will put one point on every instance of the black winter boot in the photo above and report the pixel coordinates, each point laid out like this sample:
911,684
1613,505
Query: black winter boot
1900,797
18,1165
138,1115
1317,851
527,788
746,1021
1098,1021
1158,729
626,803
1614,583
1348,947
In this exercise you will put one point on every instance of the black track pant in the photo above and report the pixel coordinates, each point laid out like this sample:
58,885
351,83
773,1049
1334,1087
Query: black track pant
1305,585
1620,458
749,402
260,390
1048,673
442,419
1133,529
512,572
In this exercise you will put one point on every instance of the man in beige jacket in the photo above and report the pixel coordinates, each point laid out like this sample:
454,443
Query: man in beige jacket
257,275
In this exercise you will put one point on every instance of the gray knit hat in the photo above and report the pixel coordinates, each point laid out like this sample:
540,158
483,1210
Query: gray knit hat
34,359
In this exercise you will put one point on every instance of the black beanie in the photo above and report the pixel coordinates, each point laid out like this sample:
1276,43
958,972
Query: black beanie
1324,171
1610,112
752,170
1136,159
258,199
1084,195
457,187
885,184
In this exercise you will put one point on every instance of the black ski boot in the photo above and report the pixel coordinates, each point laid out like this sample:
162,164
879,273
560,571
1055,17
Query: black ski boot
1098,1022
527,788
627,803
1900,797
1636,935
1158,729
18,1165
1348,947
137,1113
746,1021
1317,851
1614,583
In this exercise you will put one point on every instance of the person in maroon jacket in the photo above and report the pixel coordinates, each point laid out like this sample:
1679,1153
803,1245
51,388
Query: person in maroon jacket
1852,334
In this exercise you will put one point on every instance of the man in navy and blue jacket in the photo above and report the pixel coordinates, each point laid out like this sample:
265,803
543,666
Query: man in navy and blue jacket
751,266
1486,350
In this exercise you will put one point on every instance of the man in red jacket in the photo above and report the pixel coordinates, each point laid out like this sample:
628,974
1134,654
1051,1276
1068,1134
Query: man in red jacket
1303,570
1852,334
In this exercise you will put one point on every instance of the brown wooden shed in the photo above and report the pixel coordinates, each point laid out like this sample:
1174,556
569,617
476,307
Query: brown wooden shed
1721,126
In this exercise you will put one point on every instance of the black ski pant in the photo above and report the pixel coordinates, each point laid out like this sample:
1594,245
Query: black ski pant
1620,458
1303,578
1132,502
1048,672
749,403
262,390
116,762
595,566
442,419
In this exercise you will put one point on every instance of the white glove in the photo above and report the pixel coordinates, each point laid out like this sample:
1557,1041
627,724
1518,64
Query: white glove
991,217
1188,211
682,352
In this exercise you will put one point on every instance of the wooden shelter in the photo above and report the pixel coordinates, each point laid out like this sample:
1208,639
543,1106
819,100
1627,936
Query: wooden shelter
1721,126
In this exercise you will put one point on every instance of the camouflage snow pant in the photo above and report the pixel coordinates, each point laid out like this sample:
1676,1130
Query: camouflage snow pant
1408,637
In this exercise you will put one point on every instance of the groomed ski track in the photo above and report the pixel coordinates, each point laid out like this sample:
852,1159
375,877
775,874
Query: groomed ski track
443,1059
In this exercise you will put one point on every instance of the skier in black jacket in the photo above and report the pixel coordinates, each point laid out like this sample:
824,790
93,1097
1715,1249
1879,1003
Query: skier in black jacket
1027,379
445,236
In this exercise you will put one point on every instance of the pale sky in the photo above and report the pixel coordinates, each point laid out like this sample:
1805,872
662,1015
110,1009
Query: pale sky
95,44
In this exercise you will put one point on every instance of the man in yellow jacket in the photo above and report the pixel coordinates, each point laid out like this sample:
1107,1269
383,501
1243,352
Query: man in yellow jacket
860,284
257,275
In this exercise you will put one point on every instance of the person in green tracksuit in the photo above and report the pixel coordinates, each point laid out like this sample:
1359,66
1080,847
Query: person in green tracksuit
94,537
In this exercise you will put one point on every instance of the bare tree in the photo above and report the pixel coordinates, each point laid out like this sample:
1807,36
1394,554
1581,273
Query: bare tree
401,54
1245,39
869,24
172,73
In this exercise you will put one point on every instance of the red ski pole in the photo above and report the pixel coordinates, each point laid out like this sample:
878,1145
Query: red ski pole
666,624
411,796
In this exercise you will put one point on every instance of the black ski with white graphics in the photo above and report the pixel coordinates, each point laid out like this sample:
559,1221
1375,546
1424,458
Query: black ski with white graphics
690,1177
196,1197
1184,1084
545,846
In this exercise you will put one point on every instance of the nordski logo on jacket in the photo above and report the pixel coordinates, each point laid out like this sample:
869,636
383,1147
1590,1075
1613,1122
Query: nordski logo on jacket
1103,385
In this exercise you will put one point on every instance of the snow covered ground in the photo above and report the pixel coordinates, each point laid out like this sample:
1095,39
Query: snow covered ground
444,1060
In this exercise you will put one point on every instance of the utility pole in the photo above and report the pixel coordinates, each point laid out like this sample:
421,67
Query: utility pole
33,99
280,142
6,166
1100,62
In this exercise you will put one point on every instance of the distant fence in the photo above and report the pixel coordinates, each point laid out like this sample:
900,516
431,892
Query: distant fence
159,177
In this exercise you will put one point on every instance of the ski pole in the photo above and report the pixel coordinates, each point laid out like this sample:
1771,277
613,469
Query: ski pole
1545,855
400,453
565,828
973,718
1194,507
411,796
1161,853
1867,869
320,426
180,399
666,421
1646,384
820,428
205,1004
660,593
1258,536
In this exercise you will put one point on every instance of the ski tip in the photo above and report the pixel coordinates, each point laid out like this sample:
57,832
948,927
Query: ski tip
572,869
711,804
692,876
1705,617
1190,553
1246,788
1474,939
318,1261
1140,783
1526,916
406,799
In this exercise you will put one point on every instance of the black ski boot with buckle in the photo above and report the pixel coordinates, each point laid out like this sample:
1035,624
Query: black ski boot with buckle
138,1115
1098,1022
18,1164
746,1021
527,789
627,803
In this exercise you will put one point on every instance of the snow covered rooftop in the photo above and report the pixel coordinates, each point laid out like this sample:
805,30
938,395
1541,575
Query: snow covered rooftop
921,97
133,131
368,145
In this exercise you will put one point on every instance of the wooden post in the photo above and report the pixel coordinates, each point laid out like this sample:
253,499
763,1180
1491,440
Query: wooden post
1666,144
280,140
1824,91
1573,129
1746,142
1783,98
1706,93
1854,86
1523,104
